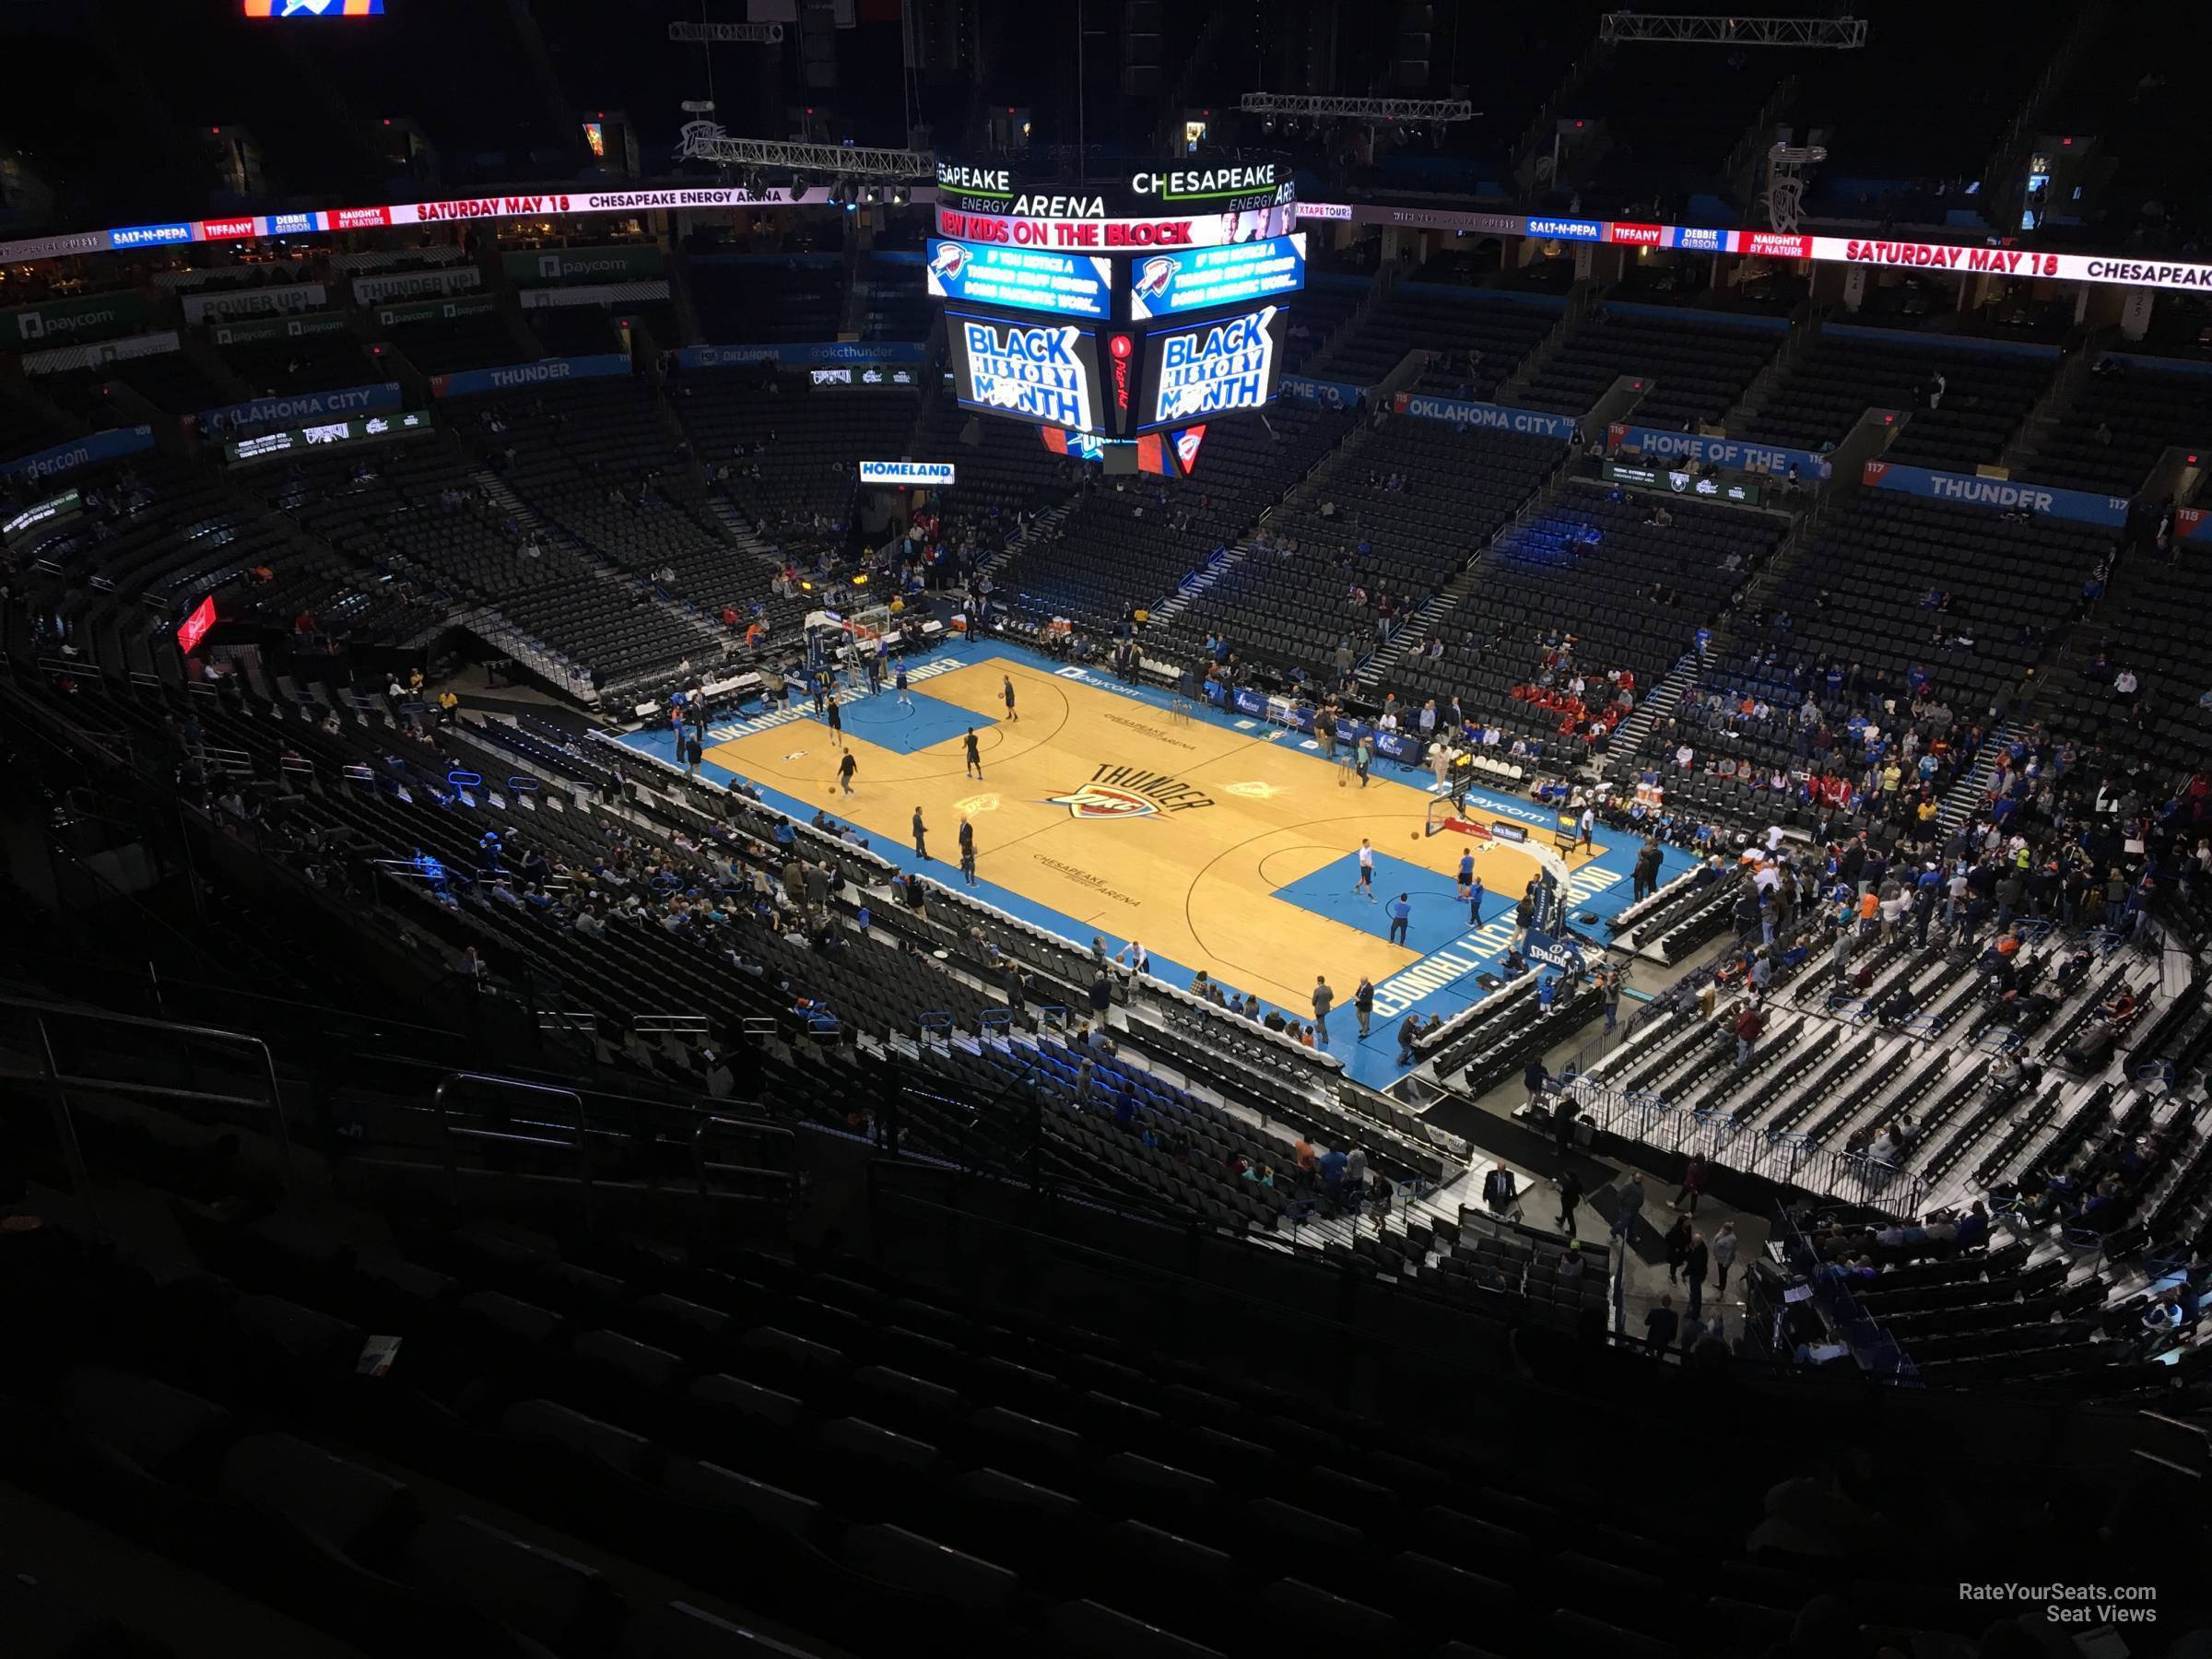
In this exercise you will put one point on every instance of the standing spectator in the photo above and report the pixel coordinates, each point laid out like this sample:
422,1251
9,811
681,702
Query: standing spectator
1693,1187
1724,1256
1406,1034
1323,1000
1659,1327
920,836
1693,1268
1608,980
1630,1206
1570,1197
1750,1023
1101,992
1363,1004
1538,1080
1678,1247
968,852
1401,913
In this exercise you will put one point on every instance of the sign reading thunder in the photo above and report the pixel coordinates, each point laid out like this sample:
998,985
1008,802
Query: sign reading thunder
1213,368
1164,285
1073,285
1046,373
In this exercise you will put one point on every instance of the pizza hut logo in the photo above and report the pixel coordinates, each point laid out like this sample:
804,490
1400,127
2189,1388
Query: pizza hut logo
1129,792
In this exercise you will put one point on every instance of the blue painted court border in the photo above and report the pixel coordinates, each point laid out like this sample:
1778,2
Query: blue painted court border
1444,981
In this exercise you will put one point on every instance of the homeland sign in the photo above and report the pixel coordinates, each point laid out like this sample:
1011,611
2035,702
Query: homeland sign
923,474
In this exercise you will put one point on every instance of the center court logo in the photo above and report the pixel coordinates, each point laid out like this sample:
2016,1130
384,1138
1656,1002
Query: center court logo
1127,791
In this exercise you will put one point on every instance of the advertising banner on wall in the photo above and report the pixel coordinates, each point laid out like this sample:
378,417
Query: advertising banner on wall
1728,454
287,328
67,321
801,355
302,405
608,294
1496,418
408,285
433,310
79,452
624,262
1328,393
1999,495
275,300
61,360
517,376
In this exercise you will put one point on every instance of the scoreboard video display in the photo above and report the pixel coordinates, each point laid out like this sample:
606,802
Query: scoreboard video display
1068,285
1166,285
1120,309
1044,372
1194,371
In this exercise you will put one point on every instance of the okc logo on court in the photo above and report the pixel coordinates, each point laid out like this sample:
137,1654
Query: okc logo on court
1092,801
1124,792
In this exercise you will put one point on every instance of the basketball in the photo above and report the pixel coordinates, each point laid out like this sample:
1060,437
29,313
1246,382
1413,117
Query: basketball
1416,836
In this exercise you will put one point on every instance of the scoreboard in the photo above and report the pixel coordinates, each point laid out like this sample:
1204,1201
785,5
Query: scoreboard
1117,313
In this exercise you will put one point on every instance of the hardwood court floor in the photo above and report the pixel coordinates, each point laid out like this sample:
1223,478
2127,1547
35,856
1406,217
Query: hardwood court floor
1119,821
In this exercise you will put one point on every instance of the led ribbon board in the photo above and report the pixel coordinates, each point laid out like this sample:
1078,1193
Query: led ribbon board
1043,372
1212,367
1070,285
1165,285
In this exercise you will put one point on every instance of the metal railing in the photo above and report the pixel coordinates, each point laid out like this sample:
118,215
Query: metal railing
1796,1160
446,1131
59,1082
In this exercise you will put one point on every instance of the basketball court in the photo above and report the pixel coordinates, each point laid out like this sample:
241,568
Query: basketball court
1220,842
